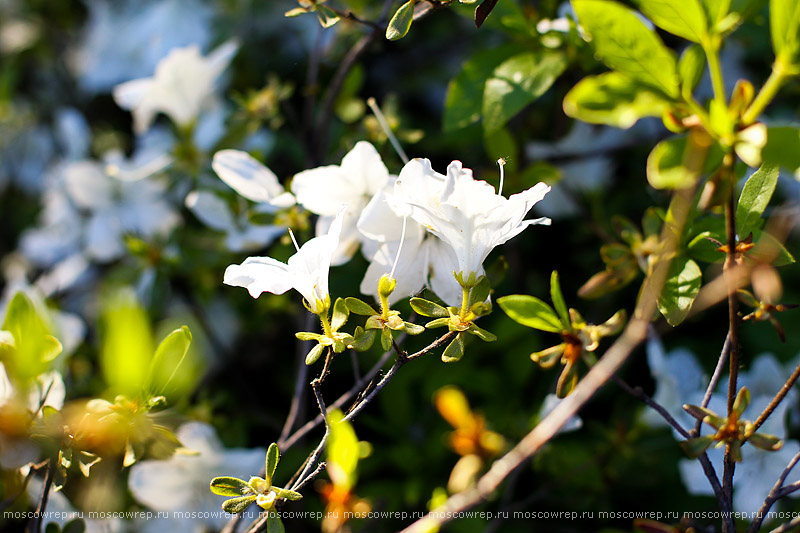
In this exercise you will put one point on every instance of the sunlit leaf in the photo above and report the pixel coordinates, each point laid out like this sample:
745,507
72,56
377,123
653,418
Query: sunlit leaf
531,311
681,288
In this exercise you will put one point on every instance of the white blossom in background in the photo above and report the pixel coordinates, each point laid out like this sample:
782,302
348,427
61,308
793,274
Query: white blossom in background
306,271
180,484
680,380
61,511
183,83
251,179
125,39
240,234
322,190
468,214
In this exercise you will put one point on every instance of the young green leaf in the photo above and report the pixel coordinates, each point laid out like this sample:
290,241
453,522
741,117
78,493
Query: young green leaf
681,288
531,311
690,68
783,148
274,523
614,99
386,339
684,18
464,100
558,300
755,197
230,486
454,350
359,307
482,334
27,345
695,447
622,41
273,456
127,343
517,82
342,450
167,360
401,21
666,168
427,308
314,354
340,314
327,17
784,20
238,505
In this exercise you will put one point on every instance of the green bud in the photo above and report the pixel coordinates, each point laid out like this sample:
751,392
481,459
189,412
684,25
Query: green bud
386,286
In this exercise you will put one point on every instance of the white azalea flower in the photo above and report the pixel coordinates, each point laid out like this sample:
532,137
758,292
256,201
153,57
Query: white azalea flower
306,271
321,190
180,484
252,180
182,84
240,234
424,259
125,39
468,214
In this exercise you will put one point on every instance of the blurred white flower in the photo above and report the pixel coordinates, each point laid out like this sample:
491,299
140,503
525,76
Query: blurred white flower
182,84
251,179
306,271
322,190
180,484
468,214
60,511
125,39
240,234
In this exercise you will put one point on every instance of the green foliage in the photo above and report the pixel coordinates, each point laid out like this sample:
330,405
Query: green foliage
624,43
517,82
755,197
26,344
681,287
684,18
168,358
401,21
784,19
531,311
614,99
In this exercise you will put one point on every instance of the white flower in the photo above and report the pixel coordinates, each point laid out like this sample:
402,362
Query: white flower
125,39
180,484
468,214
322,190
424,259
306,271
252,180
61,511
240,234
182,84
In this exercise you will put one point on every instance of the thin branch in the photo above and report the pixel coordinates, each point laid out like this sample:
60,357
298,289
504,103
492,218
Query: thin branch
35,524
777,399
32,470
712,384
788,526
302,375
773,496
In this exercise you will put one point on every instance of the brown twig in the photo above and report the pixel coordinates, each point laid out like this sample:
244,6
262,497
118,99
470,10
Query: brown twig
35,524
712,384
777,399
773,496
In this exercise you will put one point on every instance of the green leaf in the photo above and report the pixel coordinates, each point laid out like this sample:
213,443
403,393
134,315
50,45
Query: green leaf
427,308
359,307
167,360
127,343
401,21
531,311
464,99
695,447
769,248
386,339
438,323
273,456
784,20
230,486
558,300
27,342
413,329
482,334
238,505
340,314
342,451
480,292
614,99
763,441
681,288
314,354
741,401
755,197
622,41
666,167
715,10
454,350
327,17
690,68
274,524
365,340
517,82
684,18
783,148
287,494
308,336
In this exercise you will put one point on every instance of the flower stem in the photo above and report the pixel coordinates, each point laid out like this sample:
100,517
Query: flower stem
767,93
326,324
711,48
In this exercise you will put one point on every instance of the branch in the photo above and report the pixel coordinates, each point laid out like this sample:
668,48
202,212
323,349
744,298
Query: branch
35,524
774,495
777,399
712,384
